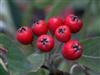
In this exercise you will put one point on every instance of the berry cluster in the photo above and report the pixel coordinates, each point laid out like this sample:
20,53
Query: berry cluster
62,30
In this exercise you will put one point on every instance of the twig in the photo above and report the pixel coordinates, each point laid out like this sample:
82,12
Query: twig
92,57
72,68
3,65
55,52
85,70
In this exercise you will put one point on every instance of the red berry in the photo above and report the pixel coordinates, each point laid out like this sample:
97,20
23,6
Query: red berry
74,23
45,43
72,50
63,33
40,28
24,35
54,23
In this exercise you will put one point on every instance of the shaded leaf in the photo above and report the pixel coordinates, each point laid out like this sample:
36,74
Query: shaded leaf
57,7
16,60
91,57
64,66
93,73
80,71
39,72
91,46
86,20
91,63
2,71
94,29
37,60
42,4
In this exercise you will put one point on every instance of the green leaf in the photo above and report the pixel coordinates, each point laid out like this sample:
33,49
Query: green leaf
2,71
15,73
64,66
40,72
91,63
94,29
37,60
42,4
57,7
93,73
79,71
86,20
27,15
91,57
16,60
91,46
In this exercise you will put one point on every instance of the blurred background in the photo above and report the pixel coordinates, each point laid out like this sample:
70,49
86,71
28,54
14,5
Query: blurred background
17,13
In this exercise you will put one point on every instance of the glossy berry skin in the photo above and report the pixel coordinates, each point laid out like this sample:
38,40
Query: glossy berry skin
74,23
72,50
45,43
40,28
53,23
24,35
63,33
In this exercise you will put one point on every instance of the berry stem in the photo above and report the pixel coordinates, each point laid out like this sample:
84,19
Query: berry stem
56,53
49,63
31,44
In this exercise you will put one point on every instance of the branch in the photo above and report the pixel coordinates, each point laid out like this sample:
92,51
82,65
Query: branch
58,72
55,72
45,67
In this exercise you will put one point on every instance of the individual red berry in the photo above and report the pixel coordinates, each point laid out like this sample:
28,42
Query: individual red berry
45,43
53,23
74,23
72,50
63,33
24,35
40,28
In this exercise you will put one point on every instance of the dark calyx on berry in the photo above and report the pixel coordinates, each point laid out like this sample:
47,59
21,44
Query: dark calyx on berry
37,22
74,18
21,30
44,41
76,48
61,30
